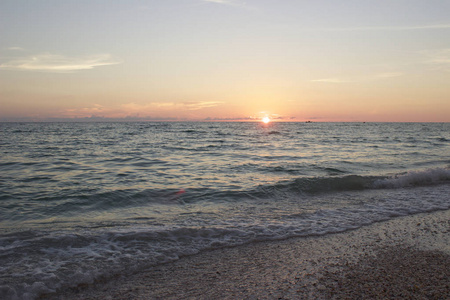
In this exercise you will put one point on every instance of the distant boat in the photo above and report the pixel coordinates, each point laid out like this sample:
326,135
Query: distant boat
308,122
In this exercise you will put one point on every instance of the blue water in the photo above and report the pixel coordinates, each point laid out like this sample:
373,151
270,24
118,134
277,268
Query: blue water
84,201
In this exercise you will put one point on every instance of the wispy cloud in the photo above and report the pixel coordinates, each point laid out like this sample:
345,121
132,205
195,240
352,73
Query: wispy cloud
366,78
226,2
389,75
251,118
58,63
146,110
200,105
95,109
332,80
235,3
439,59
15,48
191,105
388,28
182,106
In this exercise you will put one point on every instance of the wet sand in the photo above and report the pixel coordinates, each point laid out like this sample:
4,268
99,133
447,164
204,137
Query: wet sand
404,258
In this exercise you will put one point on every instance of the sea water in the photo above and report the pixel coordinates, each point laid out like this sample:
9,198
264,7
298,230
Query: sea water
86,201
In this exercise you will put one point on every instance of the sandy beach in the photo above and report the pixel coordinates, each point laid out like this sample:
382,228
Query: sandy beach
404,258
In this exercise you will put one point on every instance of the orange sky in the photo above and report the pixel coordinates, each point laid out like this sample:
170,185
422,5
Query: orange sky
225,60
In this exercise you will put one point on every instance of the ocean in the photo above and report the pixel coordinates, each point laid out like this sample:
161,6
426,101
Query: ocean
81,202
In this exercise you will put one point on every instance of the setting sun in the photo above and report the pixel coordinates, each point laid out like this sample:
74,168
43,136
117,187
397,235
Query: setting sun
266,120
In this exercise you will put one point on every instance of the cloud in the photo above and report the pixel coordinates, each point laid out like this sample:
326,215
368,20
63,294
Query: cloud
229,119
182,106
95,109
440,59
229,3
389,75
251,118
58,63
258,117
136,109
388,28
379,76
92,118
331,80
200,105
226,2
15,48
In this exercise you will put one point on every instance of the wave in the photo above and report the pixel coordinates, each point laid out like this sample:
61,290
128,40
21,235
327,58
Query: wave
63,204
66,258
46,259
415,178
318,185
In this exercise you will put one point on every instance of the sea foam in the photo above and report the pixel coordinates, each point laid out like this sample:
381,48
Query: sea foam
415,178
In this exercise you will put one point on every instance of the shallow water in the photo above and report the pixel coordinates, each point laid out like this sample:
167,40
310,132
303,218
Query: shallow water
80,201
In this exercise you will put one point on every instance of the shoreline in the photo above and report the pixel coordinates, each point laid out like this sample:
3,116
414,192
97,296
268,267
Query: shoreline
405,257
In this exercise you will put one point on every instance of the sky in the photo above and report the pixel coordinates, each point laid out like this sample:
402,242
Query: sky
225,60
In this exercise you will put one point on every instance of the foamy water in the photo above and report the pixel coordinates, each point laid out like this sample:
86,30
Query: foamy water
84,201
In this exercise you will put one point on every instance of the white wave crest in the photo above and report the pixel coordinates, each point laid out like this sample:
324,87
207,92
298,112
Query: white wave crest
415,178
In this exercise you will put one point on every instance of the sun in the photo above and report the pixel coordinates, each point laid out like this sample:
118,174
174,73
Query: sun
265,120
